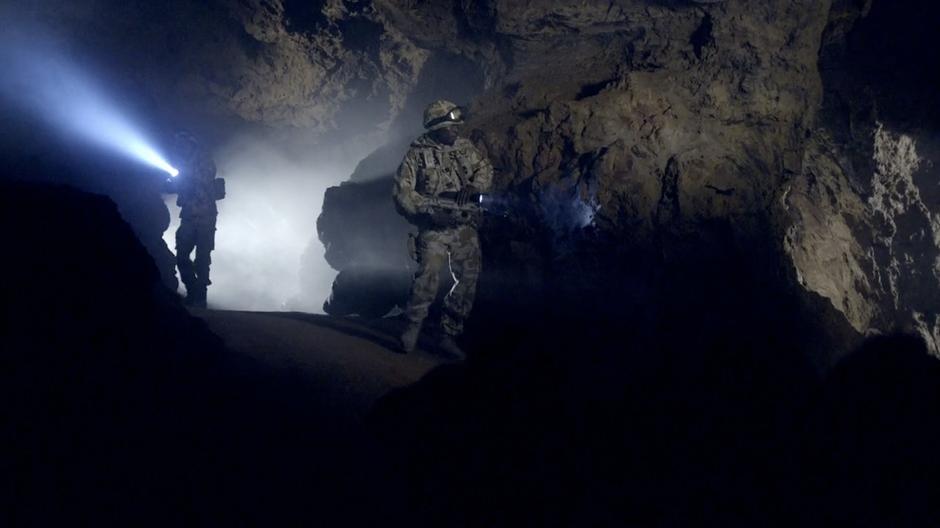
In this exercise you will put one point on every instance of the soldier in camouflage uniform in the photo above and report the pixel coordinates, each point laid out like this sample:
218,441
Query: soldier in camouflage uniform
441,162
197,190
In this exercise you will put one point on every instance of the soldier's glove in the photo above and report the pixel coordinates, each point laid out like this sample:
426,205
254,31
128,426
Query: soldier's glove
467,195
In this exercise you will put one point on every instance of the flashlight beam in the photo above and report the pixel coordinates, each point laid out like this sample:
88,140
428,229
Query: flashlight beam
39,78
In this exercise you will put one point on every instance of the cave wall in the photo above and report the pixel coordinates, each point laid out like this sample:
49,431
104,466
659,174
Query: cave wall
795,136
866,209
803,129
636,142
310,66
599,103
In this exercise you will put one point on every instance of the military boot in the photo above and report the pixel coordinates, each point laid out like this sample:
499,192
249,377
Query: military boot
448,348
409,338
196,297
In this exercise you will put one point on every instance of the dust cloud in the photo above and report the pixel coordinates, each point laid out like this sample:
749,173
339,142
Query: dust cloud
274,194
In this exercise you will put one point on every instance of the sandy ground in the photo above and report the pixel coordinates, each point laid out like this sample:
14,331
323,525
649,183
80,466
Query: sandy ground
351,362
347,366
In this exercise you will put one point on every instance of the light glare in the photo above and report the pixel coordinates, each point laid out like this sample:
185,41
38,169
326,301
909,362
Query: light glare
58,91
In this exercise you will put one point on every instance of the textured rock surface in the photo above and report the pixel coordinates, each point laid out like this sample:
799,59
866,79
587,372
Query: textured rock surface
316,66
656,124
865,210
870,250
790,132
632,129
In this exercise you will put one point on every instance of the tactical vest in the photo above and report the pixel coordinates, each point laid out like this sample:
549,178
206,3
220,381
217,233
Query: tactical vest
197,193
446,169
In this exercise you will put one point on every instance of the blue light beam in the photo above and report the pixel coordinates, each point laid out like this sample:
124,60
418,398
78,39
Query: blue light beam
55,89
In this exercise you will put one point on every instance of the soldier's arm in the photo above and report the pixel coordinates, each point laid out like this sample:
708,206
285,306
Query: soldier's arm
407,199
482,177
216,185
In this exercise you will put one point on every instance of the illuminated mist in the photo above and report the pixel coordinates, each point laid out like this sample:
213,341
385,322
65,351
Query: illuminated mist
267,220
275,187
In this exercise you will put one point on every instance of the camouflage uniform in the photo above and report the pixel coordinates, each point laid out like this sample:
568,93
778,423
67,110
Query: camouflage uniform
446,235
196,197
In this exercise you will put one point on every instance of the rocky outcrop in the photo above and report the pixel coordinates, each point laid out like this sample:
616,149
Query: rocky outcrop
627,135
310,66
864,210
871,250
663,127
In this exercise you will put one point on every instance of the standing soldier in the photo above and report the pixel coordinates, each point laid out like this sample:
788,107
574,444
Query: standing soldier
438,181
197,190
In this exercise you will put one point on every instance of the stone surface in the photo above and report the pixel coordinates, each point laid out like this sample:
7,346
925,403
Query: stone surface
864,211
628,133
311,66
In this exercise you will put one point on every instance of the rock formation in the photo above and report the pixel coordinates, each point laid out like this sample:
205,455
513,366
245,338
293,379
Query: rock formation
865,209
629,135
661,124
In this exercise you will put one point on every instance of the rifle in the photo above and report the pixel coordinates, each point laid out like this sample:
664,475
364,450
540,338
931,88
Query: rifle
448,200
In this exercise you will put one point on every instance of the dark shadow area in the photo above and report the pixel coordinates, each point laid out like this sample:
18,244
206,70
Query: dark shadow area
671,379
121,409
887,69
677,386
303,16
870,440
615,430
381,331
894,49
579,405
30,151
883,76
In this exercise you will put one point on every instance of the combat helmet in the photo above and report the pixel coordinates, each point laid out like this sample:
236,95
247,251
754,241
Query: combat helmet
441,113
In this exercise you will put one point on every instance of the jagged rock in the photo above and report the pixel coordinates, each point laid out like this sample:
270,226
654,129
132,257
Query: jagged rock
617,129
864,211
622,128
870,250
317,66
366,240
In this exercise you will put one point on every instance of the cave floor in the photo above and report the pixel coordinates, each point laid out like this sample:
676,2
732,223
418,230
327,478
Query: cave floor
351,363
346,366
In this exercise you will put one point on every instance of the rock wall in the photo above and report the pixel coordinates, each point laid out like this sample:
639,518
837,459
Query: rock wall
724,92
865,209
310,67
631,128
632,138
788,136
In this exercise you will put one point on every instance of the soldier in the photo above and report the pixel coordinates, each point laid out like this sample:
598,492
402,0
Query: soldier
197,189
442,163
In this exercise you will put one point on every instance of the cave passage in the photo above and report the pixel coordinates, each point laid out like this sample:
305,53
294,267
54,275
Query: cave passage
707,269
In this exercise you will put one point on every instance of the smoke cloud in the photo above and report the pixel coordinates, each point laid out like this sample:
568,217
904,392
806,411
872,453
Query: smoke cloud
274,194
266,231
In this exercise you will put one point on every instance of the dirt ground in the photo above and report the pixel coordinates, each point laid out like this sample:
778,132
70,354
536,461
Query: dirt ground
352,363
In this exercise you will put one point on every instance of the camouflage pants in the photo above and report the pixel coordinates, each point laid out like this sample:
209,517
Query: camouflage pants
461,247
195,232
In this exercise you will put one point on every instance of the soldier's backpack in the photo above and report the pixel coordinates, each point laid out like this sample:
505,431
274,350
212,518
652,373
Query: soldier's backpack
218,188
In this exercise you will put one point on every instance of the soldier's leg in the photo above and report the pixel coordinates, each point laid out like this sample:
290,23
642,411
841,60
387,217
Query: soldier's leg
465,264
185,242
205,243
432,253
